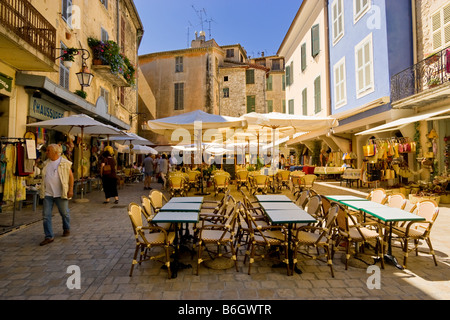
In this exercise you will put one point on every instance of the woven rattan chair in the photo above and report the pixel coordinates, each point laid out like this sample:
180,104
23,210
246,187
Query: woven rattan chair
213,238
418,230
221,183
242,179
317,237
378,195
194,180
148,212
351,232
283,179
262,239
149,239
397,200
260,184
177,185
307,181
157,199
302,198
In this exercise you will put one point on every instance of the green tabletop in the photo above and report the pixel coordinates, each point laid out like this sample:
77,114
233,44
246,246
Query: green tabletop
290,216
186,200
180,206
272,198
339,198
383,212
176,217
279,206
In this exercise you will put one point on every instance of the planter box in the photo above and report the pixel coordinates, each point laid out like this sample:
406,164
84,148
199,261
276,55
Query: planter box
414,199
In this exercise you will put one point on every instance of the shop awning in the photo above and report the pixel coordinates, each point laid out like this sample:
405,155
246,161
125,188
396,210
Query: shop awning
400,123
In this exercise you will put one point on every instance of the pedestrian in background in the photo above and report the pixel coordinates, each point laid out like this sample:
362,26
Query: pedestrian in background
148,172
57,188
163,169
109,176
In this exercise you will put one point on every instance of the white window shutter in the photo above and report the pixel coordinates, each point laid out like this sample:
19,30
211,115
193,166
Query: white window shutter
437,31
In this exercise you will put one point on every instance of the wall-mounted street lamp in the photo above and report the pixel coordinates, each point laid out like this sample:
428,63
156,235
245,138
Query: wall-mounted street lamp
84,76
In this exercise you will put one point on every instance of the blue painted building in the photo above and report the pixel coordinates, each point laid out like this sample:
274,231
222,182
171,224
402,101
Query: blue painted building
369,42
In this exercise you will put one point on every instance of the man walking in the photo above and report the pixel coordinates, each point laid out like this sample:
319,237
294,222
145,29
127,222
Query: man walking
148,172
56,188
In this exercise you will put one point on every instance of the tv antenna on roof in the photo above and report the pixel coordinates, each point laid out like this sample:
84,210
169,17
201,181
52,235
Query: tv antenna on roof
200,15
189,33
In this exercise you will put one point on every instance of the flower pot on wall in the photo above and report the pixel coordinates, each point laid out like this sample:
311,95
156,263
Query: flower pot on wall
68,64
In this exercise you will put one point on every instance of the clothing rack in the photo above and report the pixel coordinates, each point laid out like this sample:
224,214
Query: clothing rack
14,141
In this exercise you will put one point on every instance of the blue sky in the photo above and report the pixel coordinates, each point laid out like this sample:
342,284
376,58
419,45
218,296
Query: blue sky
258,25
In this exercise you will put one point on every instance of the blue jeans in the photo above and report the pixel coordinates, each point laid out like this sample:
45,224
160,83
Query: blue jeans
63,208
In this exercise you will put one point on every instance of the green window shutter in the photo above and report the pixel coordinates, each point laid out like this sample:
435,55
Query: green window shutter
288,75
250,76
283,82
315,40
269,105
317,96
291,106
284,106
250,104
305,102
291,78
269,83
303,53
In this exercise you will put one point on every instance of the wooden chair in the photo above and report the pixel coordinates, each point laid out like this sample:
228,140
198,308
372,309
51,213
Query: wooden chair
177,185
307,181
148,238
221,183
302,198
193,179
397,200
317,237
418,230
261,183
378,195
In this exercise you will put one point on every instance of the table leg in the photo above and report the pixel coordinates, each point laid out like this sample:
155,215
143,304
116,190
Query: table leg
292,266
388,257
176,264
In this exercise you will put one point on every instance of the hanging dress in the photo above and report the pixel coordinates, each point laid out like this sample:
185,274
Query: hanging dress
13,183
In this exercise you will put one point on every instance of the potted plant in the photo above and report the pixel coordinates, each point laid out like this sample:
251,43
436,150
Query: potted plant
68,56
433,82
430,59
81,93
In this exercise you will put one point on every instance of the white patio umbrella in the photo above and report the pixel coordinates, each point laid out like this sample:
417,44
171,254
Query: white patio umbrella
278,121
194,123
139,149
128,138
79,124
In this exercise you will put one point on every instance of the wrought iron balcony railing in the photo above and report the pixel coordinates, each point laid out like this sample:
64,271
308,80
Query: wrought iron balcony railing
25,21
427,74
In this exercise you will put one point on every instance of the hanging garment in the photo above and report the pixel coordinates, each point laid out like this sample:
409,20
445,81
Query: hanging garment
448,60
20,161
14,185
2,164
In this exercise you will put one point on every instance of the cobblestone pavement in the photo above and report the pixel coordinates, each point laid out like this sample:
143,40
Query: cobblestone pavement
101,244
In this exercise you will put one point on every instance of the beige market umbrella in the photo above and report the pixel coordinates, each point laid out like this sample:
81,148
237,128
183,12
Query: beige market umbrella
79,124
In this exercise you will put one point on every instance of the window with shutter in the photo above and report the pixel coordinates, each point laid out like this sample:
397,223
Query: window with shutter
305,102
291,106
250,76
122,34
284,106
315,40
283,82
269,105
288,75
303,56
337,12
67,11
364,66
105,94
360,7
317,95
179,96
178,64
291,75
226,92
104,35
269,83
64,72
250,104
440,24
340,95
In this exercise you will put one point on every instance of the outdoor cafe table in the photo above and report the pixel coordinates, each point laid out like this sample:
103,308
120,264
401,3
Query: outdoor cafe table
339,198
287,213
186,200
176,213
386,214
272,198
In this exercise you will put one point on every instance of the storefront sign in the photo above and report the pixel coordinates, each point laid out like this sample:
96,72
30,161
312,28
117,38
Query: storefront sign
44,110
5,82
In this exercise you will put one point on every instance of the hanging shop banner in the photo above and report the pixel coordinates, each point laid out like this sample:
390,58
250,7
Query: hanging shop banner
5,82
44,110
